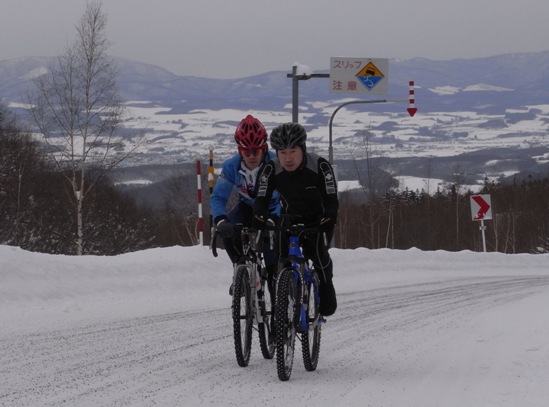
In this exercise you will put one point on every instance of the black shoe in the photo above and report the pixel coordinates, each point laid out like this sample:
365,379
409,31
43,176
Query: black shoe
272,334
328,300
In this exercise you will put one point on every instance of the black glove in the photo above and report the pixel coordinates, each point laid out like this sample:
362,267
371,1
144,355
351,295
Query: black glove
224,228
272,220
259,222
326,223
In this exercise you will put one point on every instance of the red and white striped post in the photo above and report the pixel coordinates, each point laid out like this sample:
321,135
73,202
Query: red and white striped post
412,99
200,225
211,173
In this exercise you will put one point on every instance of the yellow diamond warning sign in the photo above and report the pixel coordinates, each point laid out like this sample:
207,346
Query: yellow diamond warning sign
359,75
370,76
370,70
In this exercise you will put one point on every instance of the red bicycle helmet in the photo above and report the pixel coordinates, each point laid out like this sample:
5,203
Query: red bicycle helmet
251,134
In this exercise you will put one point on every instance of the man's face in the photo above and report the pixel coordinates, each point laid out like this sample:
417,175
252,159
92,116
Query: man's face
290,158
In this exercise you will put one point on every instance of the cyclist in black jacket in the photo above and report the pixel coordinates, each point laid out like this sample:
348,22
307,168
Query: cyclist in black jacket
307,187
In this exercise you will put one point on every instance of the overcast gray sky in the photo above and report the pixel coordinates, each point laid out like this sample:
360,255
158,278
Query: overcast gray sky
238,38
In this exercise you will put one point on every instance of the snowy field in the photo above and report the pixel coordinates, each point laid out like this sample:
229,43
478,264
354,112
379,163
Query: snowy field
153,328
180,137
160,136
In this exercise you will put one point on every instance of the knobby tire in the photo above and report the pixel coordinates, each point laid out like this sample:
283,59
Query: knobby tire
242,316
285,316
310,340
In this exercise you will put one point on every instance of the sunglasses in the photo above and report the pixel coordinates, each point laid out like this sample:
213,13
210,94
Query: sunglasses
248,152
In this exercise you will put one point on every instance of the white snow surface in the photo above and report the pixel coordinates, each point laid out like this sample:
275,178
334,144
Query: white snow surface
153,328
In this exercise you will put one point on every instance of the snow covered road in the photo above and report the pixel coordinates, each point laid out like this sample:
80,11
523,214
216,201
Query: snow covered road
445,340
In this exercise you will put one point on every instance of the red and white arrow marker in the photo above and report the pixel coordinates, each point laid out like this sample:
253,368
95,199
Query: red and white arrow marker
483,209
412,109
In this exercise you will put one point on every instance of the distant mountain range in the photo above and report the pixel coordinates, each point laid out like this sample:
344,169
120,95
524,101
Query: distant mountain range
441,85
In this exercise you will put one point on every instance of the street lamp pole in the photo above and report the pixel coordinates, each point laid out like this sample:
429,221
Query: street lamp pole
353,102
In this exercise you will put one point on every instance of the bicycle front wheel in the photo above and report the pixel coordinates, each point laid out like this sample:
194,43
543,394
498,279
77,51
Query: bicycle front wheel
310,340
285,317
242,316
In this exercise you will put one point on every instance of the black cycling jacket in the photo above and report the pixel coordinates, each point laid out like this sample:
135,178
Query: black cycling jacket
310,191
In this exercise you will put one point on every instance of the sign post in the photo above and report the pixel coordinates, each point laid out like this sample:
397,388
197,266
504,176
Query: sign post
300,73
481,209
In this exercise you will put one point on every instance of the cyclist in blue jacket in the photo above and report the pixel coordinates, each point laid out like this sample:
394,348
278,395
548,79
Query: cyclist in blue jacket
307,188
238,174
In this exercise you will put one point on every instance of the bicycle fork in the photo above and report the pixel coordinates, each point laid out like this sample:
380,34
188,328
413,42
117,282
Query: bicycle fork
302,324
257,292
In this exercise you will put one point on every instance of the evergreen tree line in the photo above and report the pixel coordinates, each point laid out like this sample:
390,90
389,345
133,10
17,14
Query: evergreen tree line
37,212
443,221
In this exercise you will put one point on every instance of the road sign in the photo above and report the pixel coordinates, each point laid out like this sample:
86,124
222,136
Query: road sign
481,207
359,75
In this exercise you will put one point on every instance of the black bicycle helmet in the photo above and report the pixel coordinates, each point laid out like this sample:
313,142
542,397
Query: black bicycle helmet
288,135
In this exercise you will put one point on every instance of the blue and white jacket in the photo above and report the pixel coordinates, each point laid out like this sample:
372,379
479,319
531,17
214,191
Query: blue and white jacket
235,176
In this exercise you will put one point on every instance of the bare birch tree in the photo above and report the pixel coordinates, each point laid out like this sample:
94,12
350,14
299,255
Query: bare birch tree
78,110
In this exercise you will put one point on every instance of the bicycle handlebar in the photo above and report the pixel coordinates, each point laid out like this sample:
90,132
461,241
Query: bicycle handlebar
293,223
298,229
294,228
239,229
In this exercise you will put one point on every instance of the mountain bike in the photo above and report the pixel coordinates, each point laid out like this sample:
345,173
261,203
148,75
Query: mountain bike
297,306
251,303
